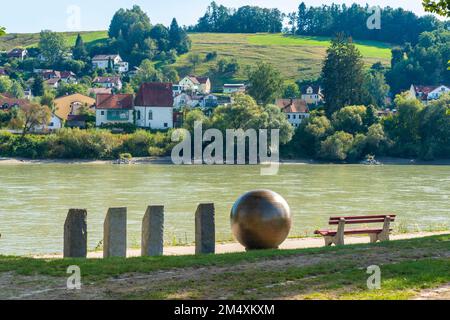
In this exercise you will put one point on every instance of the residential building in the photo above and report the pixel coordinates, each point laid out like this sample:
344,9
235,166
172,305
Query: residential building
108,82
7,102
64,76
53,83
114,108
71,105
428,93
209,101
234,88
18,53
182,100
177,89
296,110
95,91
103,62
196,84
312,95
154,106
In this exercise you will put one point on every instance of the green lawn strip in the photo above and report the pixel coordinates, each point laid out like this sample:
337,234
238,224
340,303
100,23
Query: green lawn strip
97,269
331,280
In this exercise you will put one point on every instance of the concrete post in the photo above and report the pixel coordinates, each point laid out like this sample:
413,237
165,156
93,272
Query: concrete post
205,237
152,243
115,233
75,234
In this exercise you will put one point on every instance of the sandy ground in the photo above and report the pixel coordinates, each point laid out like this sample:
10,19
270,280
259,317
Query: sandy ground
167,160
236,247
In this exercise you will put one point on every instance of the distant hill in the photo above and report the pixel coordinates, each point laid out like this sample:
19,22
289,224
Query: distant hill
295,56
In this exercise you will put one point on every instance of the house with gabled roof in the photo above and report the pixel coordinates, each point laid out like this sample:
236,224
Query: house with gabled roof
296,110
428,93
114,108
108,82
18,53
154,106
200,85
103,61
312,94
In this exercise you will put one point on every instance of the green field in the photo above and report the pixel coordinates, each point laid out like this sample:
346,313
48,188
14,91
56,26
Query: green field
295,57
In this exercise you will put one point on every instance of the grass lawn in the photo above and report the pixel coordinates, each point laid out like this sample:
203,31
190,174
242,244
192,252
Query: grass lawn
295,57
407,266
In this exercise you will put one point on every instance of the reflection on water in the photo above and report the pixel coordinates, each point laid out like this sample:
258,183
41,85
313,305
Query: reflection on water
34,199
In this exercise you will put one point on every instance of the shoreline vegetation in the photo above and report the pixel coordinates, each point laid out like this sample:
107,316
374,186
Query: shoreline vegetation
168,161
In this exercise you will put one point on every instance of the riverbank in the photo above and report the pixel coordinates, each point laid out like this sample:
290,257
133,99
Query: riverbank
168,161
410,269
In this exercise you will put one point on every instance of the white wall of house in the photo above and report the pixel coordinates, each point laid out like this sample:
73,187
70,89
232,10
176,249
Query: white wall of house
233,88
438,92
187,84
103,64
154,117
295,119
101,117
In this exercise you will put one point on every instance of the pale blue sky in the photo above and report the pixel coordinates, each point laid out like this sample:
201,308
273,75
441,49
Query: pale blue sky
33,16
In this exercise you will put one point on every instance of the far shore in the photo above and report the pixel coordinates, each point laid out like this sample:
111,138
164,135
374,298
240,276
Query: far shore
168,161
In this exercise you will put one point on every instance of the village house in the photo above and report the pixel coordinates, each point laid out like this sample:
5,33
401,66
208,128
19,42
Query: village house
154,106
182,100
103,61
68,108
177,89
296,110
53,83
114,108
234,88
428,93
95,91
64,76
209,101
18,53
108,82
312,95
8,102
196,84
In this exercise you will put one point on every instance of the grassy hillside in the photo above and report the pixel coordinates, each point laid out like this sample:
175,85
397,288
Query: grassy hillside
295,57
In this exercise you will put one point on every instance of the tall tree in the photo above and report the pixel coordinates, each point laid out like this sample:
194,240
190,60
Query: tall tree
342,75
30,117
265,83
79,52
441,7
53,46
38,87
178,38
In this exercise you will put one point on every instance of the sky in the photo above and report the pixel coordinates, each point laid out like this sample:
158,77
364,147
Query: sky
89,15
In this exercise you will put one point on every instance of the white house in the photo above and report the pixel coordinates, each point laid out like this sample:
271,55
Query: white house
234,88
177,89
108,82
209,101
102,61
56,123
296,110
18,53
196,84
154,106
114,108
182,100
312,94
428,93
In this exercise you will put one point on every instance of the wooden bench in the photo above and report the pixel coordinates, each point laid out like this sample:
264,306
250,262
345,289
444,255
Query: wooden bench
337,236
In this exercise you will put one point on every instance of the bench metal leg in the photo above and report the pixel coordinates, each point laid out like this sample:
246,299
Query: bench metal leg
373,237
328,241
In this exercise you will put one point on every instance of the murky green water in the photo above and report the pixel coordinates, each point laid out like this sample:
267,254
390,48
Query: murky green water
34,199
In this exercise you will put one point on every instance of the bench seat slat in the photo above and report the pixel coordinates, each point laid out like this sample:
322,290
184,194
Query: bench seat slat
359,221
364,217
354,231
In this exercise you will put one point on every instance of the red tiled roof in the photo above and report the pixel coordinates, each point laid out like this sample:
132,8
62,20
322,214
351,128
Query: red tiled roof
292,105
114,101
155,94
106,80
8,101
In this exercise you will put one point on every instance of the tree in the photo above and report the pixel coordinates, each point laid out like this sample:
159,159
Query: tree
309,135
376,88
52,46
31,117
48,99
441,7
38,86
194,59
2,31
5,84
265,83
291,91
17,90
146,73
336,146
178,38
79,52
350,119
342,75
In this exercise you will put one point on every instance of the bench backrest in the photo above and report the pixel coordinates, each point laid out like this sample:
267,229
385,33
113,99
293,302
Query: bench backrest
362,219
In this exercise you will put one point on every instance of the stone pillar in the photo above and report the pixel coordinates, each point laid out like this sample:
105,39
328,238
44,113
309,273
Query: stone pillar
115,233
205,237
152,243
75,234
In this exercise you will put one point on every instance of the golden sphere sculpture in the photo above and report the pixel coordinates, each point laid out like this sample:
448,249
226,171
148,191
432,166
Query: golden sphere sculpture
261,219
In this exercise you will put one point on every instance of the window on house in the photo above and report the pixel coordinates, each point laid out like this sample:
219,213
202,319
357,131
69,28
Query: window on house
294,116
165,125
289,116
102,113
138,115
51,124
150,115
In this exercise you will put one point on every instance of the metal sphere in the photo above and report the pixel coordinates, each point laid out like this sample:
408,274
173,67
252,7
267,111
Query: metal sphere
261,219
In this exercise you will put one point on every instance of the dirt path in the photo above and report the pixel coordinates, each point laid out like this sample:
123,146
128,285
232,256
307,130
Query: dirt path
441,293
206,281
